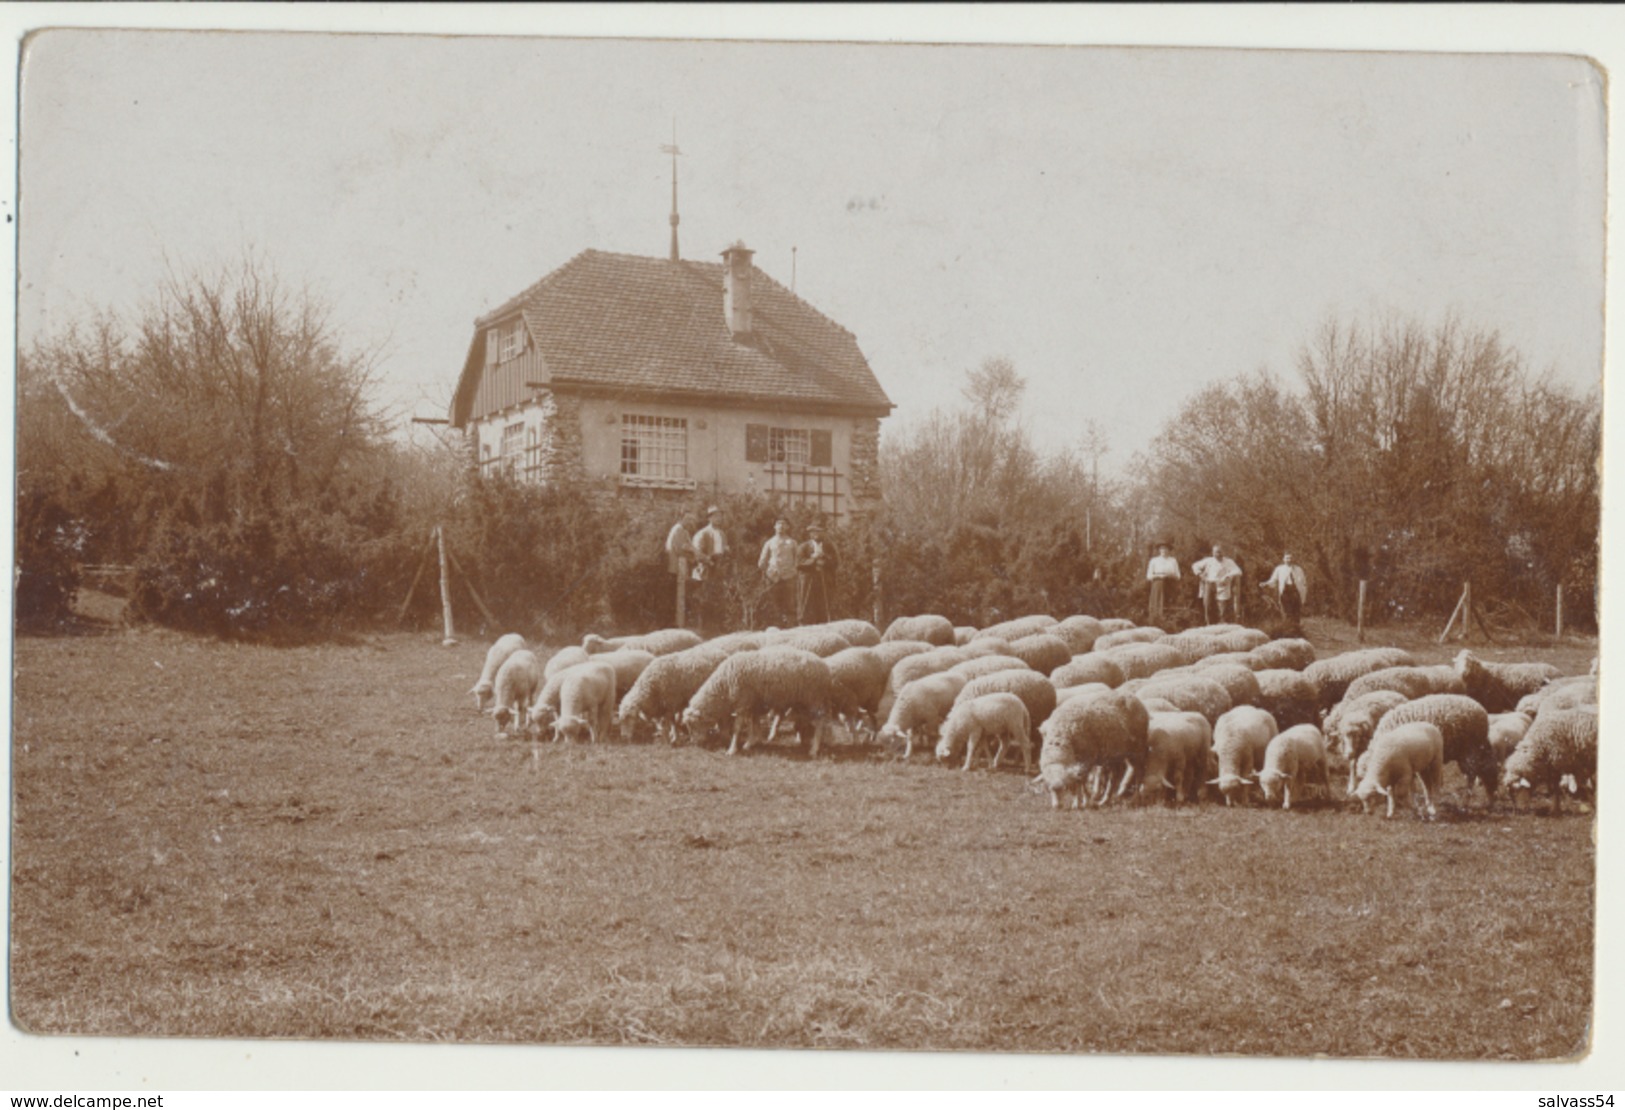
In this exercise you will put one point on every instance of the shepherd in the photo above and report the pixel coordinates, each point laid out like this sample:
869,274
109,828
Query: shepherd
816,564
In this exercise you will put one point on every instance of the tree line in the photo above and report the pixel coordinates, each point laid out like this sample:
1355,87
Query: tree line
227,445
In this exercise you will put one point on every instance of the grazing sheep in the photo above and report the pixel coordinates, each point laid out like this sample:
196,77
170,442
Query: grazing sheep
496,655
544,706
1085,734
856,632
1498,686
667,641
1116,624
919,709
1142,634
1013,630
1178,744
1413,682
516,682
1245,639
586,704
931,629
993,716
1332,676
986,645
1352,723
747,686
1036,692
1296,758
663,690
1506,731
1247,659
1080,632
734,642
1087,668
964,634
1463,724
1291,697
860,677
1560,742
1290,655
819,641
1042,652
1395,758
915,667
1240,740
565,657
1192,693
1161,705
1143,660
629,663
1193,647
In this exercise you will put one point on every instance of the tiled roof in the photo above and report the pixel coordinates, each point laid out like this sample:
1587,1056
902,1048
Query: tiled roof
627,323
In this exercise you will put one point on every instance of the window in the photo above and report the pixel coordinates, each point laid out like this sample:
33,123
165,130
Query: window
654,450
789,445
536,441
505,341
513,437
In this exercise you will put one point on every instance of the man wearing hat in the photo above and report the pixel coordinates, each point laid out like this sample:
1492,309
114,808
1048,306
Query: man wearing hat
1291,585
1162,572
711,554
815,567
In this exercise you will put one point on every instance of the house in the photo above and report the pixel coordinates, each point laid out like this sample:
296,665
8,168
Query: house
654,374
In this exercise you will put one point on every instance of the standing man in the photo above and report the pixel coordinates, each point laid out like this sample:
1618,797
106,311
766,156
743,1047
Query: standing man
777,563
680,557
711,555
1162,572
815,566
1219,577
1291,586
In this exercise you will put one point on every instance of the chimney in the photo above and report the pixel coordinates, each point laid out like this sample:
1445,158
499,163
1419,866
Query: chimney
736,289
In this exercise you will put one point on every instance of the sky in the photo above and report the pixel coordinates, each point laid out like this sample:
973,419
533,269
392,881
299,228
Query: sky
1125,225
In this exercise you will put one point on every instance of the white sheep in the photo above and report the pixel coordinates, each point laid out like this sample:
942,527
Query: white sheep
964,634
544,705
667,641
858,633
1041,651
1085,735
1295,758
1561,693
820,641
586,704
988,664
1080,632
1087,668
1084,690
913,667
860,677
1143,634
1413,682
1000,717
1190,692
1352,723
1247,659
919,709
1465,728
1292,697
516,683
931,629
1559,742
1013,630
1143,660
750,685
1397,757
1332,676
1241,683
1506,731
496,655
1178,744
1240,740
1116,624
1291,655
1036,692
660,694
1499,686
892,652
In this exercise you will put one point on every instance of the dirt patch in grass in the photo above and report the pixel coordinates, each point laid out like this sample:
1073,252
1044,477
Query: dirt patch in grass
215,841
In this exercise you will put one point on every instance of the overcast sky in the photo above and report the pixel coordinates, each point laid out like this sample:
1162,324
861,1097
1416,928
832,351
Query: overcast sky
1126,225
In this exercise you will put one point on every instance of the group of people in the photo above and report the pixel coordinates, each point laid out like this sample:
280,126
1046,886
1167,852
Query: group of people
1218,581
796,577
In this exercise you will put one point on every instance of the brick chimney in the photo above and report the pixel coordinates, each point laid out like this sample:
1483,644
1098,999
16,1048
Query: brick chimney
736,289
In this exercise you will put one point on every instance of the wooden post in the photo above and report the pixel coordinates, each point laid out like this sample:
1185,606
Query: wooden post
472,592
445,589
874,577
1359,614
1559,612
682,596
423,561
1453,615
1466,609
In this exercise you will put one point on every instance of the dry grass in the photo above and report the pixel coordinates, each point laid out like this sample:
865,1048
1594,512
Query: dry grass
326,842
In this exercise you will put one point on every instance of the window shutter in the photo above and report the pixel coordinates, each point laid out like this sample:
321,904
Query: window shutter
755,442
493,343
822,448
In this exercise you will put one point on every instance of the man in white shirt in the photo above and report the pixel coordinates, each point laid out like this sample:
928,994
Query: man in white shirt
778,566
1291,585
1162,572
680,546
1219,577
711,551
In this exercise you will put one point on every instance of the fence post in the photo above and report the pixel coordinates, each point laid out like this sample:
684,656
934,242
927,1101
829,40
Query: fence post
1359,615
682,591
445,588
874,578
1466,610
1560,611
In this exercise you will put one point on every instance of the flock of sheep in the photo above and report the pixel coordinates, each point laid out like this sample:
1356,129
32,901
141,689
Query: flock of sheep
1113,710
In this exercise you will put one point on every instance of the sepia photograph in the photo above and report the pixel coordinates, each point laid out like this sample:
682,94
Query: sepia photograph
692,542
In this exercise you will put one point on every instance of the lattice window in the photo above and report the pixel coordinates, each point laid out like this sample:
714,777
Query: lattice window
505,341
654,448
789,445
513,438
537,440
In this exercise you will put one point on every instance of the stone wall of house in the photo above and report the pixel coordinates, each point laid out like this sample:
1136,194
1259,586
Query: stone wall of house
561,451
866,461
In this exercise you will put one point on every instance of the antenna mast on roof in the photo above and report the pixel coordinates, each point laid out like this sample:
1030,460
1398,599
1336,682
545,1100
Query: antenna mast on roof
674,152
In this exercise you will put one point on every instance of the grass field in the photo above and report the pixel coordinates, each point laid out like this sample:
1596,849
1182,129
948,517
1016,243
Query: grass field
212,840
